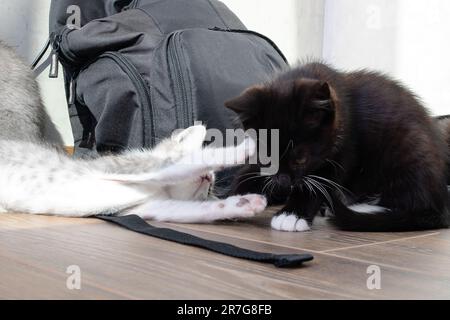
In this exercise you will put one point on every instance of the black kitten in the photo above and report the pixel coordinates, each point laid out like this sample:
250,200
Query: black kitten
359,143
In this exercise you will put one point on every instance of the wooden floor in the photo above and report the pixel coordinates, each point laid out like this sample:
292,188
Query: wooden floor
35,252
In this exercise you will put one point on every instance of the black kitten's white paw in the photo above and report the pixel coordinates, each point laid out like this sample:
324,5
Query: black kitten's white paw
289,222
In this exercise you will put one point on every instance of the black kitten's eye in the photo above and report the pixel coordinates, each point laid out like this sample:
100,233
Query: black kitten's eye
301,162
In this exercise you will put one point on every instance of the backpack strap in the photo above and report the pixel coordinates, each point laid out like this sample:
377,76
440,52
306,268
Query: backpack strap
137,224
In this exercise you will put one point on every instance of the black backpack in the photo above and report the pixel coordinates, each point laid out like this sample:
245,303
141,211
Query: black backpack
145,68
138,69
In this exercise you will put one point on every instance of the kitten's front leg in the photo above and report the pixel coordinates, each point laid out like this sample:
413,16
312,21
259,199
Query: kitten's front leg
299,212
195,164
250,180
200,212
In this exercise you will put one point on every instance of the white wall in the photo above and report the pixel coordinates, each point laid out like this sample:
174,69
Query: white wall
409,39
296,26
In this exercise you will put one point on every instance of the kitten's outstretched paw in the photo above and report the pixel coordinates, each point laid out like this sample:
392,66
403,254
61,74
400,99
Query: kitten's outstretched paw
232,156
244,206
253,202
245,150
289,222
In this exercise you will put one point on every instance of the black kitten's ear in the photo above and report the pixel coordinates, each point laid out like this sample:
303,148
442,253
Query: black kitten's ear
323,91
323,97
248,103
322,108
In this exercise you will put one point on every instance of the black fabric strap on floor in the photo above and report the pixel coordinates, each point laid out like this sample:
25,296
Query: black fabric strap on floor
137,224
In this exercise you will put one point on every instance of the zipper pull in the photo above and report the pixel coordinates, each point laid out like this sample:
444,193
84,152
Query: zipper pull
54,65
54,59
71,100
220,29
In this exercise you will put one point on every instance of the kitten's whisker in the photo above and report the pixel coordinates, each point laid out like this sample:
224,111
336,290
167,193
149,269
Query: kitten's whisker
266,188
250,175
221,180
305,183
255,174
273,186
266,184
332,183
323,191
247,179
310,188
335,164
339,187
324,186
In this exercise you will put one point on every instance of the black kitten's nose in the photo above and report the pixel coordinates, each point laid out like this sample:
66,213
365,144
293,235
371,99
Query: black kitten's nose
284,181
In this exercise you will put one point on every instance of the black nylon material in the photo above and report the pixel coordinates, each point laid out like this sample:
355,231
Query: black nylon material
62,10
135,223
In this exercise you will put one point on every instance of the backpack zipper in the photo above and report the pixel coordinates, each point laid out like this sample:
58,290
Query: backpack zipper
58,46
143,91
180,84
60,53
181,81
268,40
133,4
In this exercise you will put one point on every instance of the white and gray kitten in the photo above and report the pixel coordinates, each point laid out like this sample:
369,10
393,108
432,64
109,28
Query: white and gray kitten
171,182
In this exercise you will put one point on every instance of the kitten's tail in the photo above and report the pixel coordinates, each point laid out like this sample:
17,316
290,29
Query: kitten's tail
368,218
372,218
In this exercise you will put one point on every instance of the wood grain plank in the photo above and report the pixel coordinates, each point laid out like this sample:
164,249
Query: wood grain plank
24,280
427,255
134,266
121,264
14,221
70,150
349,276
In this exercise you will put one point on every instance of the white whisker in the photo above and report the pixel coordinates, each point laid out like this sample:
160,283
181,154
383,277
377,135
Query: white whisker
322,190
339,187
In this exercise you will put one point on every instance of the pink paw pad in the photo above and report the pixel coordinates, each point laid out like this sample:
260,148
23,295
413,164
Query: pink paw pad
242,202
